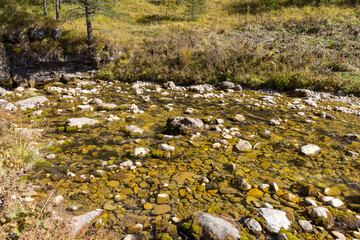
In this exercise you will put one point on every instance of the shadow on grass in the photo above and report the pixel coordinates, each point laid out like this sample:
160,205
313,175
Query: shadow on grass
259,6
156,18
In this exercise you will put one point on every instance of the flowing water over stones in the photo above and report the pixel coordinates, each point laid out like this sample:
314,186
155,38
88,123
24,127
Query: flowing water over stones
156,159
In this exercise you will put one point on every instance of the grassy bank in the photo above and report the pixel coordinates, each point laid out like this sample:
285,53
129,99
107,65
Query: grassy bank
257,43
22,215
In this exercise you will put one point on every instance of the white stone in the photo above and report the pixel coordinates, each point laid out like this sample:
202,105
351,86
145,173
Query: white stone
336,203
327,198
253,225
311,202
320,212
85,107
274,219
134,129
166,147
51,156
80,122
129,237
141,152
126,164
306,225
267,205
310,149
32,102
243,145
218,226
58,200
216,145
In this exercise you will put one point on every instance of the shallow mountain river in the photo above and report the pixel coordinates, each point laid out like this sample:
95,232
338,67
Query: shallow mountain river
250,148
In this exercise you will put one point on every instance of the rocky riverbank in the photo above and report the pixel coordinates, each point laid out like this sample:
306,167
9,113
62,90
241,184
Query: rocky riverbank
197,162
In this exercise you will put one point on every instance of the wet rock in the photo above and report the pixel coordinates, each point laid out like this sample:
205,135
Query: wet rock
160,209
225,85
32,102
135,228
243,146
183,125
78,123
81,178
274,219
110,206
121,176
79,222
55,177
162,198
241,183
309,149
305,225
218,226
253,225
180,177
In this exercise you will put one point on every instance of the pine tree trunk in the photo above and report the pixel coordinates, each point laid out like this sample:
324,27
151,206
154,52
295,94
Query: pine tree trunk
45,8
57,3
90,37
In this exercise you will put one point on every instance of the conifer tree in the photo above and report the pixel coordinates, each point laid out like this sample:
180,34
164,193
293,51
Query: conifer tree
89,8
194,8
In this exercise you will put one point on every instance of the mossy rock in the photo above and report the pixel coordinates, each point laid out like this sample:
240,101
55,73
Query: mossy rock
165,237
288,234
71,129
191,230
345,219
164,230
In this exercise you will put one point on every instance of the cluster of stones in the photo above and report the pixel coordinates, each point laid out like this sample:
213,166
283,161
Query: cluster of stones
153,179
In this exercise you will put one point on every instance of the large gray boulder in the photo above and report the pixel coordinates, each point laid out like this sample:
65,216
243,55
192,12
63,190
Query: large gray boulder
218,226
274,219
32,102
183,125
225,85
